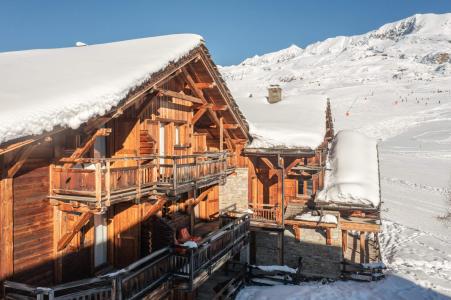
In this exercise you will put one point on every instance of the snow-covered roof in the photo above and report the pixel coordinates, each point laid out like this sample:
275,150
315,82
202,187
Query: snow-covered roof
352,178
44,88
296,122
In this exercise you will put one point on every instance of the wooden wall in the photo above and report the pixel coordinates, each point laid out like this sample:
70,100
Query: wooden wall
209,208
33,220
264,186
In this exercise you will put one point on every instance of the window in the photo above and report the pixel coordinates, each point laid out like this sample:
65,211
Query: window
309,184
300,186
177,135
305,186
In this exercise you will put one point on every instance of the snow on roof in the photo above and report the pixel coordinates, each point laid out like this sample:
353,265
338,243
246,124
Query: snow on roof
352,178
298,121
40,89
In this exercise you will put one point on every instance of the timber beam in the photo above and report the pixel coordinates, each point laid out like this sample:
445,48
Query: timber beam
68,236
218,107
21,159
205,85
198,115
156,207
210,111
267,162
231,126
88,144
292,165
179,96
366,227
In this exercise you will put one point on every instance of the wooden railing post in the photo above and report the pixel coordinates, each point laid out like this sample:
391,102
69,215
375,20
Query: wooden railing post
139,181
98,179
108,183
174,172
51,181
196,168
191,268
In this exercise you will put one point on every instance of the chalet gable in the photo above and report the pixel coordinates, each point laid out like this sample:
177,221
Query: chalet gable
190,63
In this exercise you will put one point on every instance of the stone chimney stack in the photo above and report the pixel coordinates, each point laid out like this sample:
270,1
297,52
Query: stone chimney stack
274,93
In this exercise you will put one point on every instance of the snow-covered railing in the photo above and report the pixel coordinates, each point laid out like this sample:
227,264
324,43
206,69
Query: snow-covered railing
102,181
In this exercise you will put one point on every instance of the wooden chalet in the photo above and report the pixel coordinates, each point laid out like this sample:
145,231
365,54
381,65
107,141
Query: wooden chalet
110,209
288,222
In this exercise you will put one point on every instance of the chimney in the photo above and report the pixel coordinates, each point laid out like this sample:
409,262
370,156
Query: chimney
274,93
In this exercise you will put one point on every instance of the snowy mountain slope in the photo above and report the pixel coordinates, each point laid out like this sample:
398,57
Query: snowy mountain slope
393,84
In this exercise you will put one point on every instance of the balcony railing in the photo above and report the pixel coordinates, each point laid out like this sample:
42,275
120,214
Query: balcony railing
104,181
132,282
212,251
151,275
265,212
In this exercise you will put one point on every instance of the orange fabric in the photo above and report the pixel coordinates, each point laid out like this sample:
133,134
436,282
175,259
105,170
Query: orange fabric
184,234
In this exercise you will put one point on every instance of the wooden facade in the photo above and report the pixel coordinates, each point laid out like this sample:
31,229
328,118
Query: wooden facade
282,184
76,204
280,176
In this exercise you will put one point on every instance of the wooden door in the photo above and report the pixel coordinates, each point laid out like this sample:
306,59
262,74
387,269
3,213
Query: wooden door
76,258
126,234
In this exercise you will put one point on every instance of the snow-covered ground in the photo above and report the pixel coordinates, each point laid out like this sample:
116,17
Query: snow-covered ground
393,84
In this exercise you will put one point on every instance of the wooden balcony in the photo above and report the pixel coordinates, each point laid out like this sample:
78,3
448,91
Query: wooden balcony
266,215
102,182
153,276
149,275
212,252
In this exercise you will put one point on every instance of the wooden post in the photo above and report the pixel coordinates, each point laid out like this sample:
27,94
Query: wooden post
57,257
174,172
108,183
297,232
98,179
221,134
6,228
344,241
254,189
362,247
328,236
138,182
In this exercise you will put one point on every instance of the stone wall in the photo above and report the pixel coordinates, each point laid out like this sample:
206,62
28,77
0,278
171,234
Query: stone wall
235,190
318,259
266,248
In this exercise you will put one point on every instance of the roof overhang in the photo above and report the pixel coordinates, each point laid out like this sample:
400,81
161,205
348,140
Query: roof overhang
304,152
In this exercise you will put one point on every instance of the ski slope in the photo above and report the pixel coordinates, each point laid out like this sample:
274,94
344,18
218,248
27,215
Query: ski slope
392,84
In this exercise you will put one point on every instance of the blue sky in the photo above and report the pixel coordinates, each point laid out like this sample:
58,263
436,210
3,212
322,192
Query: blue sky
233,30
